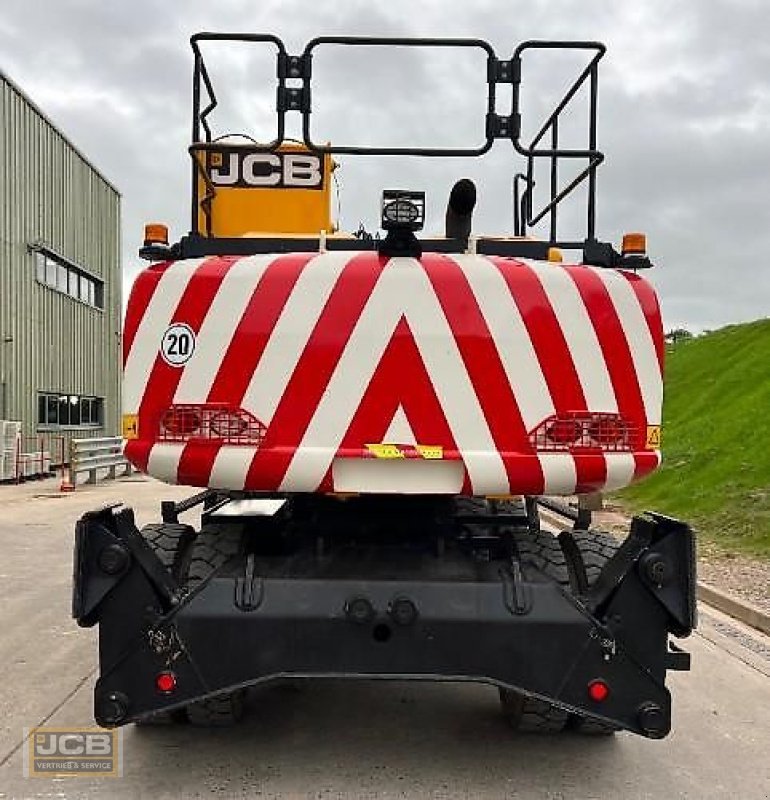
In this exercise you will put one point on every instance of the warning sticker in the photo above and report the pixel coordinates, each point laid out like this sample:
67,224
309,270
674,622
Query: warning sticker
427,451
130,426
385,450
653,437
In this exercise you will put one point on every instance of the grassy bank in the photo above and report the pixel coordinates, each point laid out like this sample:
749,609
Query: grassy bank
716,439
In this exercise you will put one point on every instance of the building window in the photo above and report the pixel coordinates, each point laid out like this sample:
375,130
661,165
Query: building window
54,271
60,410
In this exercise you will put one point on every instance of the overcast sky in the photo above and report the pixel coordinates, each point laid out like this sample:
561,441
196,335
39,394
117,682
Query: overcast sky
684,114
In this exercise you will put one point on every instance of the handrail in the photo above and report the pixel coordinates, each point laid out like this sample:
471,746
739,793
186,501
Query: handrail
292,98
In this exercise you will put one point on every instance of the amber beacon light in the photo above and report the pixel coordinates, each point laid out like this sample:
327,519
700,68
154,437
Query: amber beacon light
634,244
155,233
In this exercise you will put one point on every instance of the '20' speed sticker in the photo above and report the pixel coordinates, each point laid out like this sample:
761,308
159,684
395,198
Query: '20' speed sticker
178,344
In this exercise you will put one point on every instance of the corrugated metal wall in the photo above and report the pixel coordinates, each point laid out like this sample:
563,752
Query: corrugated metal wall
50,195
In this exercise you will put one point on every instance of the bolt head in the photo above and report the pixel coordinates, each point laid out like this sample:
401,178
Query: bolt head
111,709
653,720
402,611
656,568
359,610
113,559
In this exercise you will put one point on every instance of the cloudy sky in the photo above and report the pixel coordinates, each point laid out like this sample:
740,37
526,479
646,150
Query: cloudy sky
684,114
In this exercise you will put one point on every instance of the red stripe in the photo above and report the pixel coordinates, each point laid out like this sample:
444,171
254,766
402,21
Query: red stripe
553,354
141,294
314,369
614,345
389,388
243,355
485,370
546,335
648,300
192,308
644,464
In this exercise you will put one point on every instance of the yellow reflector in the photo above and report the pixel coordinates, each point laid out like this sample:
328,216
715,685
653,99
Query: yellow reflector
155,233
554,255
634,243
130,426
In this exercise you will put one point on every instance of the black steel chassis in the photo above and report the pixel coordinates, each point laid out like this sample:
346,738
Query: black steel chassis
501,622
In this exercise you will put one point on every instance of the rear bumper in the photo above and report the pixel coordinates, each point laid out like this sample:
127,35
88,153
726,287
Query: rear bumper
510,626
479,472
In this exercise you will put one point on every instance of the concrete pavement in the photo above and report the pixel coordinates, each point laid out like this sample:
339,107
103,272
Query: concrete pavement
333,739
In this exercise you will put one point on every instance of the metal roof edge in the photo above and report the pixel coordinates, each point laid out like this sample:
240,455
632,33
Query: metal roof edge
36,108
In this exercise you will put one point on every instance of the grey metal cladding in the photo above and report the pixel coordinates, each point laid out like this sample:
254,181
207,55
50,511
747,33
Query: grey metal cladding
51,196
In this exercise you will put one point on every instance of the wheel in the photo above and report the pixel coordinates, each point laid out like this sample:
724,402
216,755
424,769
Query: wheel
527,714
592,550
171,543
542,551
530,715
214,547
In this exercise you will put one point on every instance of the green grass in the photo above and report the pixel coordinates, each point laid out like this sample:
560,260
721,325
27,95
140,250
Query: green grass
716,439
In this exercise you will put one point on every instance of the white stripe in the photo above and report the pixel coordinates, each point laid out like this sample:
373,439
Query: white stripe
580,335
620,470
231,467
403,289
511,338
155,320
559,473
400,431
640,342
218,328
163,462
291,333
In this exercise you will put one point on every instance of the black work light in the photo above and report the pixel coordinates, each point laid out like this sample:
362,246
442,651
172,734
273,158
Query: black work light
403,210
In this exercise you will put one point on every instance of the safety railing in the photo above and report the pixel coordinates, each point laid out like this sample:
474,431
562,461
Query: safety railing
93,456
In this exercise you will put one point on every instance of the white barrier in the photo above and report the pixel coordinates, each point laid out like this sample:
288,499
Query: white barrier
91,455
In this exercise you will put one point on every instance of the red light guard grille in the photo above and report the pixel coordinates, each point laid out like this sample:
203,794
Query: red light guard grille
582,430
181,423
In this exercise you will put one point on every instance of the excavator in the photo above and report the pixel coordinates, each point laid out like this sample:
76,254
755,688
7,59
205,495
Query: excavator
372,423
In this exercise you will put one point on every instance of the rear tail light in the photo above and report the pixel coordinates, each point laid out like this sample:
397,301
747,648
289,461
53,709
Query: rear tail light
180,421
213,422
564,431
584,430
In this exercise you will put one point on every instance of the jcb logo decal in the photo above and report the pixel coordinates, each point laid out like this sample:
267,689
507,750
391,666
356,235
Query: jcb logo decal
267,170
73,752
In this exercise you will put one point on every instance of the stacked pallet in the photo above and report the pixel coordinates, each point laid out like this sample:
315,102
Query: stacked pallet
10,435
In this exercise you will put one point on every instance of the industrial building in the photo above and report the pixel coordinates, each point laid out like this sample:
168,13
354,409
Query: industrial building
60,287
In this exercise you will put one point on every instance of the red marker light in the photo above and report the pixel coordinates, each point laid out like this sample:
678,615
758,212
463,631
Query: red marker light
564,431
165,682
598,690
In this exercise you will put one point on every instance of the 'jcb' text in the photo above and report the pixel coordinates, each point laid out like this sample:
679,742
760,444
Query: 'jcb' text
266,170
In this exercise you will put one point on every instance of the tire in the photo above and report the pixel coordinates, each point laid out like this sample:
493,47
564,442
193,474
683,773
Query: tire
594,550
527,714
542,551
212,549
171,543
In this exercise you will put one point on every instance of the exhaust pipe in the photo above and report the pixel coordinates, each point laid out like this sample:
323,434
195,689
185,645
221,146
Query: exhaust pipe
459,210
